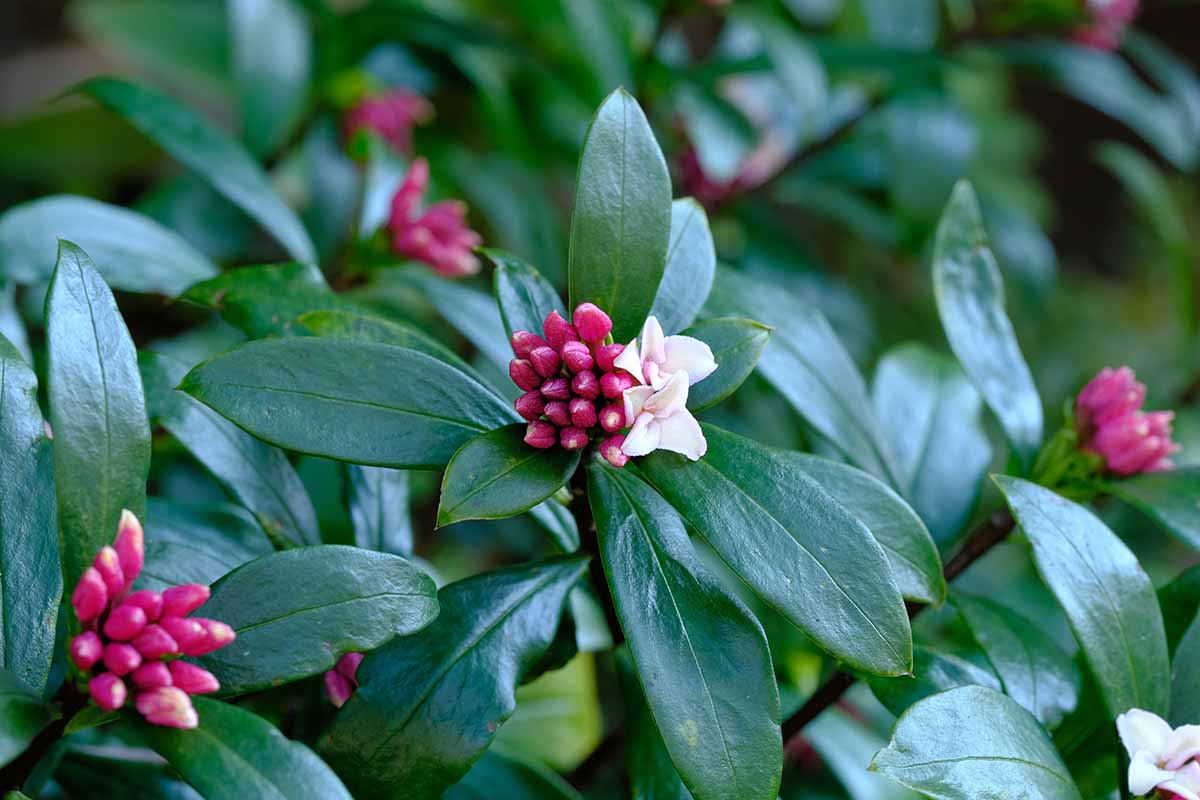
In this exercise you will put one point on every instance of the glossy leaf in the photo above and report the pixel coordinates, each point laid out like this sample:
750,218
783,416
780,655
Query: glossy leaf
460,672
22,716
12,327
1180,602
265,300
691,265
100,772
621,225
794,544
473,313
132,252
298,611
930,414
271,81
1106,595
256,475
700,655
933,671
652,775
1185,679
503,773
97,411
235,754
207,151
737,345
31,578
497,475
378,501
970,299
334,324
846,746
524,296
973,742
353,401
197,544
1168,498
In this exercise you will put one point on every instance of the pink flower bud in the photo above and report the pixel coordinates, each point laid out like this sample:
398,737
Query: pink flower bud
586,385
167,706
130,547
613,384
188,634
583,413
545,361
592,323
347,665
524,375
148,601
524,342
610,448
124,622
108,691
559,413
90,595
217,635
541,435
556,389
577,357
606,355
108,564
612,417
573,438
153,675
1107,397
179,601
530,405
121,658
155,642
86,649
558,330
337,688
193,679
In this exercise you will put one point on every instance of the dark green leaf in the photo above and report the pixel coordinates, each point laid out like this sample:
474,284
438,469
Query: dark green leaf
558,721
190,544
256,475
930,414
235,755
458,674
30,578
970,299
474,313
1106,595
652,775
22,716
798,69
132,252
93,771
846,746
1033,668
691,265
352,401
207,151
933,671
366,328
737,344
297,612
912,25
378,502
12,327
1168,498
497,475
500,773
558,521
271,81
524,296
1180,602
97,411
265,300
794,544
973,742
622,220
1185,679
700,655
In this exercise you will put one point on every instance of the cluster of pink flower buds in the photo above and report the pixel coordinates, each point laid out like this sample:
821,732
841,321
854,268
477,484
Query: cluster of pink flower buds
1107,22
572,389
342,680
437,236
134,639
391,115
1111,423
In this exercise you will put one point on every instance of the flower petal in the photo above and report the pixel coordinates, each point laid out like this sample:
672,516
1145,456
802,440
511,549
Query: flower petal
1142,731
1186,783
680,433
1182,746
635,397
654,346
1144,774
643,438
689,355
630,361
671,398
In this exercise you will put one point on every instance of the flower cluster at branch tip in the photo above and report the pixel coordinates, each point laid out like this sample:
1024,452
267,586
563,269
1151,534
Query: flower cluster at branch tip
1107,21
1161,759
342,680
438,235
1110,422
131,641
391,115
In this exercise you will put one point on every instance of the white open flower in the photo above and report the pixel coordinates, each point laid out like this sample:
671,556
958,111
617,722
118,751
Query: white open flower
1159,757
660,357
661,420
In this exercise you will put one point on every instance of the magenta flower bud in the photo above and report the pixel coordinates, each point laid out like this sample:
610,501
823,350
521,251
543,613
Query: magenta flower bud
337,688
86,649
148,601
108,691
167,706
524,342
130,546
524,375
217,635
592,323
586,385
606,355
124,622
556,389
613,384
179,601
577,357
121,658
1107,397
193,679
347,665
559,413
187,634
541,435
90,595
545,361
612,417
573,438
530,405
558,330
610,448
152,675
155,642
108,564
583,413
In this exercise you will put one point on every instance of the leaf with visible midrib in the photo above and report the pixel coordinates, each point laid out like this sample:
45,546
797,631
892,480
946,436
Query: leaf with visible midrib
1168,498
691,264
524,296
736,344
